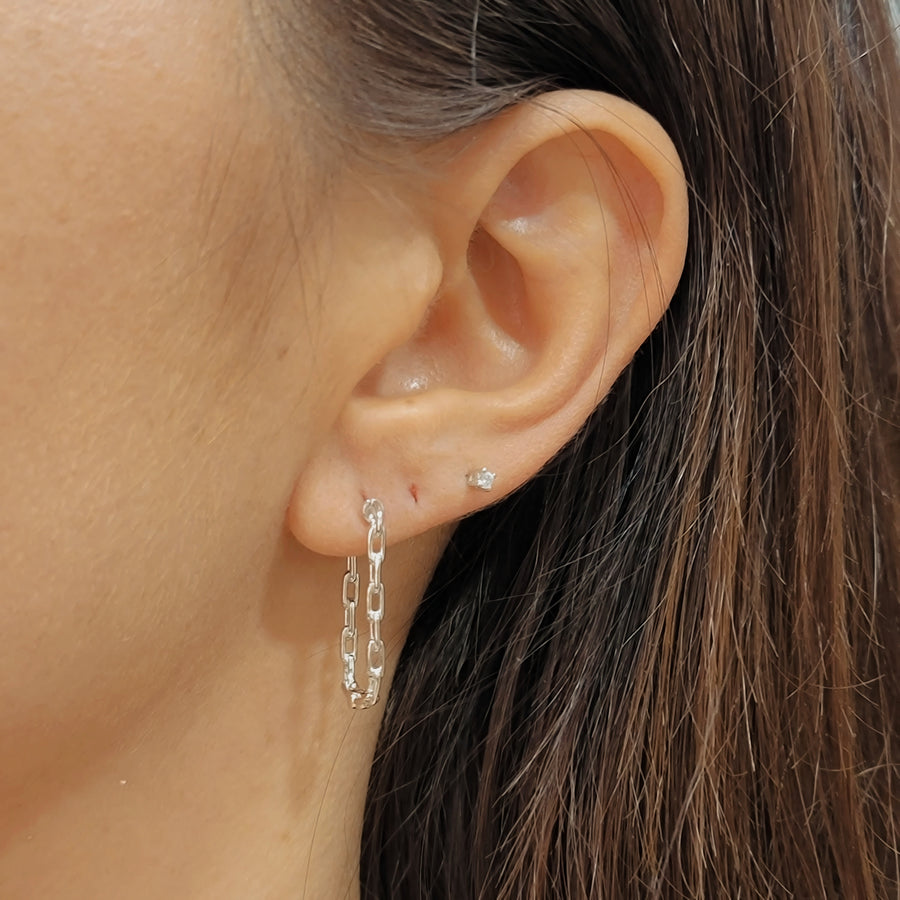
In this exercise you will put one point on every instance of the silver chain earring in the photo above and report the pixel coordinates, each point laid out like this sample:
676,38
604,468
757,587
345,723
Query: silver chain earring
373,511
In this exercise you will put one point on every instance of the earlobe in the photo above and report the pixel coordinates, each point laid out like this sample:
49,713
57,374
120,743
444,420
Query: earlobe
562,227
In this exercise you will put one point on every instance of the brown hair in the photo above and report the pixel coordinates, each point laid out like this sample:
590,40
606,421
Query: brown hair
663,667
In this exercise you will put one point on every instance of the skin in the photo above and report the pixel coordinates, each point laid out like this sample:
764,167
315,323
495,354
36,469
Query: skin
202,375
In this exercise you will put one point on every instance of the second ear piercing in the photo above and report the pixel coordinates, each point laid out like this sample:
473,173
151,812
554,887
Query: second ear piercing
483,479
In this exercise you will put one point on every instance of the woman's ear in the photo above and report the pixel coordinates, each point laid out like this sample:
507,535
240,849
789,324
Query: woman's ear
561,229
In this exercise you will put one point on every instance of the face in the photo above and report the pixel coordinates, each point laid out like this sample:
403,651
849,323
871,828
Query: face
157,383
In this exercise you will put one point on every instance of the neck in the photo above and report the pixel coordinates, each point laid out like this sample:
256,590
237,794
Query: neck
246,777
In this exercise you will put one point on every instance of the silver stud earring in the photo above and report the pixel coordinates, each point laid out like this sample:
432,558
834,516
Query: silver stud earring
360,698
483,479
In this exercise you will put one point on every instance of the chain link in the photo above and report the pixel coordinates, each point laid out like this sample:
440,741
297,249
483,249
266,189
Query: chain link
375,548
